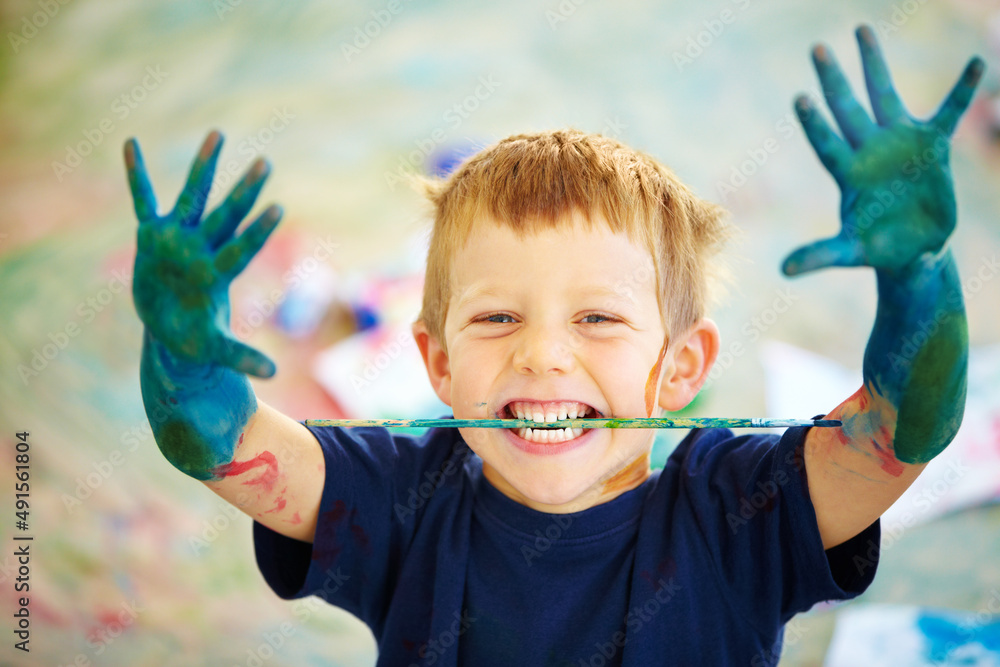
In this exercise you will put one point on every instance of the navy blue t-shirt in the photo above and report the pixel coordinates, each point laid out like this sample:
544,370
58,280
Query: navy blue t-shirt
702,564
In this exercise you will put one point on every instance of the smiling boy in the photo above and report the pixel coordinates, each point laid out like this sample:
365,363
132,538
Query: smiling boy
567,277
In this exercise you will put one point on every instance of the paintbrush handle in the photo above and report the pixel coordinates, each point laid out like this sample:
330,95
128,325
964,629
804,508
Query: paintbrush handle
653,422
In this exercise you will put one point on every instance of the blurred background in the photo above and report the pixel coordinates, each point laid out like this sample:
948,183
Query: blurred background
132,562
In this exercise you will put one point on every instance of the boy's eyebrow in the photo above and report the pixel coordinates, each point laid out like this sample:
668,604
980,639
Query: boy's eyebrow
603,292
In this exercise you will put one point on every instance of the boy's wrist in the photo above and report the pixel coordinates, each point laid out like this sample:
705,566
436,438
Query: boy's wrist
178,371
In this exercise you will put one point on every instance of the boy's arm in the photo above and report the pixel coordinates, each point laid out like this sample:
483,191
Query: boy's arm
203,412
897,211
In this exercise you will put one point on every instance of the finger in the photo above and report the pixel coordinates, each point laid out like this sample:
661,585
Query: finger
223,221
237,253
831,149
947,117
853,120
191,202
885,100
143,197
243,358
836,251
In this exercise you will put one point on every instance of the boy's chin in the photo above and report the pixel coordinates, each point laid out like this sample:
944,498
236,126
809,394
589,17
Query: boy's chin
548,496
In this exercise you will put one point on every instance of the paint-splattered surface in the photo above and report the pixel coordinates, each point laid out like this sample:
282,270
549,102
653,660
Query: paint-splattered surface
134,563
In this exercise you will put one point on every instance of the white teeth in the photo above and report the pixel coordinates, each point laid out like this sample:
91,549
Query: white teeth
547,413
549,435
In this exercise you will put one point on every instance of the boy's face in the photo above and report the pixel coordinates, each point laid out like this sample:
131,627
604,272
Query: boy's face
560,323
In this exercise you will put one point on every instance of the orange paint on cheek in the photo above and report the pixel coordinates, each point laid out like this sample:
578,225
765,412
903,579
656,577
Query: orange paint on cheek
652,383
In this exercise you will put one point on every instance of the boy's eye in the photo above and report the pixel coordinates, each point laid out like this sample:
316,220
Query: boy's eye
498,318
596,318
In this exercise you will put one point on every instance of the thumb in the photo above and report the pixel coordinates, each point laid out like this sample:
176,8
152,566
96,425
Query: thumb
836,251
243,358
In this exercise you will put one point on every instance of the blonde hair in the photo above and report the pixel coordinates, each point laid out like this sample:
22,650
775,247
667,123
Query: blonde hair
528,182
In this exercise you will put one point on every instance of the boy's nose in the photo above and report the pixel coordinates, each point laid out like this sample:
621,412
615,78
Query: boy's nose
544,352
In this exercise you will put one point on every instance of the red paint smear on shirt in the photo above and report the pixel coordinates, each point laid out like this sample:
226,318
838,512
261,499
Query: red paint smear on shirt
361,537
266,479
337,512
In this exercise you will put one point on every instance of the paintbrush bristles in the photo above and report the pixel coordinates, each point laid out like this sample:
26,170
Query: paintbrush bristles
619,422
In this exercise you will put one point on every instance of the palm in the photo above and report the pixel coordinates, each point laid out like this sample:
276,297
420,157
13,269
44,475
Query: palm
184,264
897,196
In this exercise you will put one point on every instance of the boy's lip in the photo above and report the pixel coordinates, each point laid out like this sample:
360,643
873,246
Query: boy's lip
548,449
543,439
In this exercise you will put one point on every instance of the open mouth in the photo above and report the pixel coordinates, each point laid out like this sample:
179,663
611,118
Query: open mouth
547,412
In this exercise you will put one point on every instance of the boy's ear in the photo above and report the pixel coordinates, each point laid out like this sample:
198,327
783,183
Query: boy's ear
687,364
436,361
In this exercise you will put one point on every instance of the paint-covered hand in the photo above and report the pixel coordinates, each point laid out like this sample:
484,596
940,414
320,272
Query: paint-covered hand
184,263
897,199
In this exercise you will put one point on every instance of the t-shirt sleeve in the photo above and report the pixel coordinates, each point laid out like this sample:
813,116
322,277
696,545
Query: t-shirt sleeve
750,496
365,523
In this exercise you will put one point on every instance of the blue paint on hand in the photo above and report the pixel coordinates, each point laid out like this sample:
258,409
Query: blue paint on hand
897,212
194,387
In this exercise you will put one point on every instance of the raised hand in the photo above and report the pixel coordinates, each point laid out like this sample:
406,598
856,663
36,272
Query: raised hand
897,199
184,263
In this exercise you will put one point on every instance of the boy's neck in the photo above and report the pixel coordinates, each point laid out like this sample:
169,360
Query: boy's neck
603,491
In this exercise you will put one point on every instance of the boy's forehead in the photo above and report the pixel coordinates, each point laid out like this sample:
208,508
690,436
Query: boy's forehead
581,258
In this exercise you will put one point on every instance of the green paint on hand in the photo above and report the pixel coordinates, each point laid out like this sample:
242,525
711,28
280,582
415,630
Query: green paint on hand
183,446
924,427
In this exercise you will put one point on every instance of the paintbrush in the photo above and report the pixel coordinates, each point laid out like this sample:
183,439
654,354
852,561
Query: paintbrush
613,422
